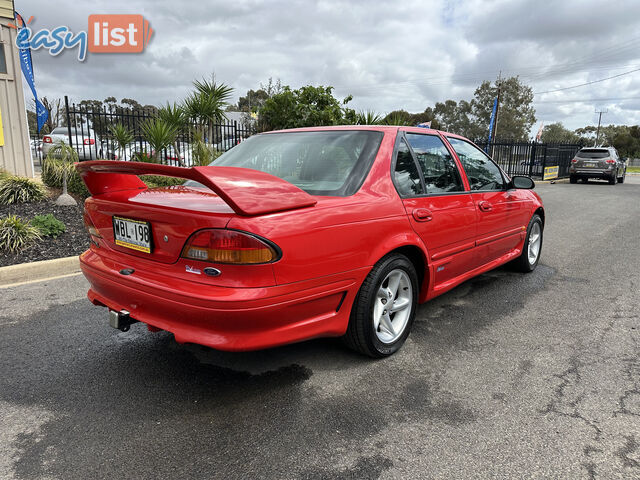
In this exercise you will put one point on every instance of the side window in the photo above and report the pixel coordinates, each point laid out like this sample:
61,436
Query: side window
407,178
482,173
438,168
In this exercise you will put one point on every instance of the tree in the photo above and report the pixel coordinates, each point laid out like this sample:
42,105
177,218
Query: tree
205,105
368,117
399,118
516,114
175,116
305,107
557,133
455,117
159,134
252,101
122,136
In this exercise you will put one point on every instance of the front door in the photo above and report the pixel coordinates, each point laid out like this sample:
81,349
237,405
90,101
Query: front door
499,229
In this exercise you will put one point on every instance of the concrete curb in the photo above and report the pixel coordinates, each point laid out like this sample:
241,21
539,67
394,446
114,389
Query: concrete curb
556,180
38,271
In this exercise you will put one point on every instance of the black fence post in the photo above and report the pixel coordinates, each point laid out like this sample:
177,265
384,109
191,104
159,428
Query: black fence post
532,158
66,105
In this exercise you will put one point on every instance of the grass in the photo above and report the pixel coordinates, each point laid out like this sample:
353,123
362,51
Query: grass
633,169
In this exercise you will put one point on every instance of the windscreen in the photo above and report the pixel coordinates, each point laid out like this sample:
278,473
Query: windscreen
332,163
593,153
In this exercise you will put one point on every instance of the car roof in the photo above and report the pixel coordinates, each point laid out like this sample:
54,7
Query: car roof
376,128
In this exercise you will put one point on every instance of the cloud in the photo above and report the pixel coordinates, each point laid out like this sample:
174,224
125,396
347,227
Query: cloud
388,55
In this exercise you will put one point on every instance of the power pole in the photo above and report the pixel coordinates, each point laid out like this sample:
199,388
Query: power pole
599,120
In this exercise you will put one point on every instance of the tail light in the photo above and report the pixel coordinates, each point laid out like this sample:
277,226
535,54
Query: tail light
47,139
89,141
611,160
574,160
229,246
91,229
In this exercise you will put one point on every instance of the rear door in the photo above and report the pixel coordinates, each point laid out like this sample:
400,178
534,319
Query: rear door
440,209
499,228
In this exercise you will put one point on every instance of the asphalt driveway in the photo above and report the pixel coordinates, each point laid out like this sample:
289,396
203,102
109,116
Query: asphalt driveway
508,375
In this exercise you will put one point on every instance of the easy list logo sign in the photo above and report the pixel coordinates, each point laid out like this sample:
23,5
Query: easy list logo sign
106,34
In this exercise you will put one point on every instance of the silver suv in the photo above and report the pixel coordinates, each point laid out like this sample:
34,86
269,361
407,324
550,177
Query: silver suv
597,162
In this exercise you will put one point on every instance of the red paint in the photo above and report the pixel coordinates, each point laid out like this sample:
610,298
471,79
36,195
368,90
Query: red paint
328,245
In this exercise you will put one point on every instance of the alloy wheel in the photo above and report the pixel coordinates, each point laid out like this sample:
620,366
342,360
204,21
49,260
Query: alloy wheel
535,241
392,307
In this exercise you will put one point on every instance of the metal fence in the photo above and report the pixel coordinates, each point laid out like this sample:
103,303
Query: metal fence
531,158
90,131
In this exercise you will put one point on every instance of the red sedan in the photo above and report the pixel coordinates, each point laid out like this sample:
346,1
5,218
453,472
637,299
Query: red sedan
298,234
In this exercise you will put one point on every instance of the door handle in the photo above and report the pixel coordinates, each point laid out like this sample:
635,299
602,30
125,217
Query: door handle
485,206
422,215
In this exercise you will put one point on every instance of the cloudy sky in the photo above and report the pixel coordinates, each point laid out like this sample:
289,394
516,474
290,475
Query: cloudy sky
388,55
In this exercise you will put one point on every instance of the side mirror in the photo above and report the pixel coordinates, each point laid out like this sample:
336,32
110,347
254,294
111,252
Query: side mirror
520,181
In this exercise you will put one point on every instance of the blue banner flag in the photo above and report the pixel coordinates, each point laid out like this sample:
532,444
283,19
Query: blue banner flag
27,69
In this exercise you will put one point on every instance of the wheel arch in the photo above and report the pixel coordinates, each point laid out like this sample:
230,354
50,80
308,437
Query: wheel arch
540,211
417,255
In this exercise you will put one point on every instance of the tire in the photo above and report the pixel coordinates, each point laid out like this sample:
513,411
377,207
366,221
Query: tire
371,332
621,179
524,263
613,180
573,179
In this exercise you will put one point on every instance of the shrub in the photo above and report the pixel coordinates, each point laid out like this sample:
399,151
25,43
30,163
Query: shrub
16,234
15,189
49,225
161,181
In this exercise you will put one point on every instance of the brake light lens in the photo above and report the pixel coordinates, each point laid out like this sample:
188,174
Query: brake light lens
574,160
47,139
611,160
229,246
89,141
91,229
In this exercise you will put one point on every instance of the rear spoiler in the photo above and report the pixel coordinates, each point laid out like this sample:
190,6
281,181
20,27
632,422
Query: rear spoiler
248,192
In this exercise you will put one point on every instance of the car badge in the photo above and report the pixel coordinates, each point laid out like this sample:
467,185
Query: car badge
190,269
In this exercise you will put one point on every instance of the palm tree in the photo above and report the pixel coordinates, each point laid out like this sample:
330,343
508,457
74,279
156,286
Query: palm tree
122,136
159,134
368,117
205,105
60,163
175,116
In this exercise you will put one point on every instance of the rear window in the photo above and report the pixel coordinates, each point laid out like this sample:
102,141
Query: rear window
593,153
331,163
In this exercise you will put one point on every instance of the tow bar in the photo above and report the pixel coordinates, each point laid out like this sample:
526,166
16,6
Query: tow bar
121,320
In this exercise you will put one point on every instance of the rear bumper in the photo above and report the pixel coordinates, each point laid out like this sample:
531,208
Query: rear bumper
592,173
233,319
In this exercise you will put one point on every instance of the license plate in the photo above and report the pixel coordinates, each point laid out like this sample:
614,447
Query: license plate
134,234
591,165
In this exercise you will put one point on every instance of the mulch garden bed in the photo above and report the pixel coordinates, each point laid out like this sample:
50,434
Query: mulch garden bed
72,242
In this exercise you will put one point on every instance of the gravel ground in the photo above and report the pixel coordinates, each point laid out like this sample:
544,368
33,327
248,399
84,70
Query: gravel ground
73,242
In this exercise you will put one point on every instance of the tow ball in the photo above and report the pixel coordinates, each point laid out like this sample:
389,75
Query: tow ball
121,320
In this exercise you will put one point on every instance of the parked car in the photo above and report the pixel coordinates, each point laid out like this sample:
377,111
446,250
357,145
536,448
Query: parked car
601,162
298,234
227,143
84,141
